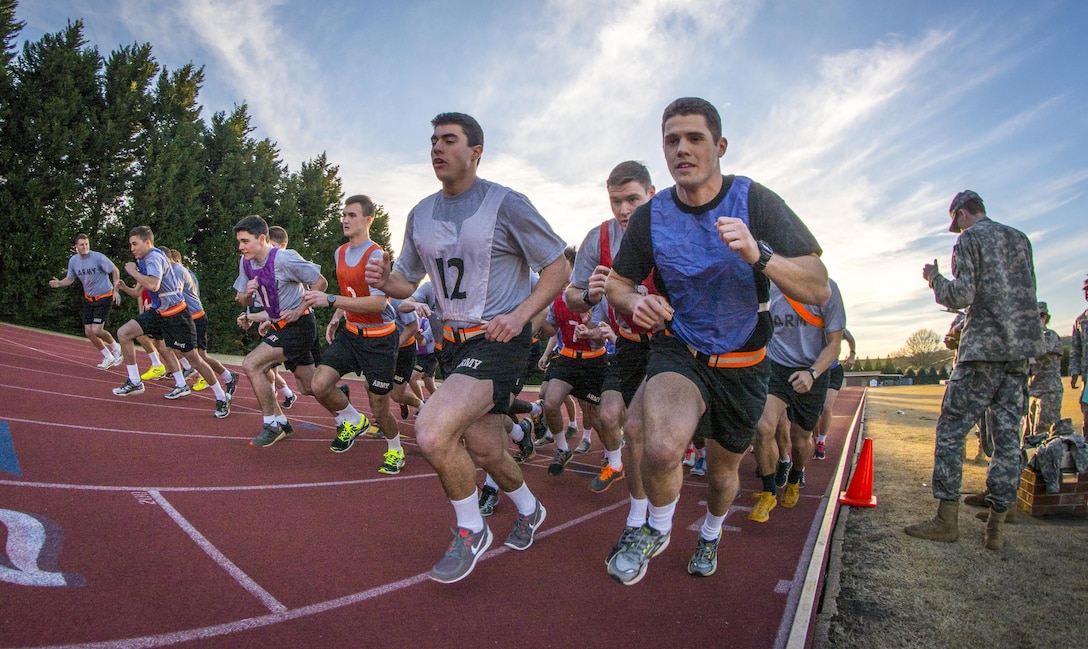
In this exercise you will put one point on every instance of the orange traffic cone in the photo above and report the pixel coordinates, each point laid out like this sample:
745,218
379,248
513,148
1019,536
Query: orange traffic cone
859,493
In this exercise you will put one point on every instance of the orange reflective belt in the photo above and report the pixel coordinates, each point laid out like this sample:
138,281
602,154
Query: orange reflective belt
806,315
199,314
589,353
461,335
280,324
97,297
731,359
174,310
634,337
371,332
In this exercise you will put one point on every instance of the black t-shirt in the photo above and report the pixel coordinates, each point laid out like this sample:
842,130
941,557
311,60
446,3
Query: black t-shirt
769,219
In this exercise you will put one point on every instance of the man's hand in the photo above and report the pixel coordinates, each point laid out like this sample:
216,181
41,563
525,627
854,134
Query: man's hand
377,270
54,283
503,328
132,268
738,238
596,283
650,311
316,299
929,271
801,381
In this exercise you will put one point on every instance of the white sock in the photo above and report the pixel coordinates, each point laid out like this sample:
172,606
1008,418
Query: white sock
524,499
218,391
615,459
536,410
587,433
179,378
185,365
133,374
226,376
561,443
820,439
468,513
712,527
270,419
394,443
116,347
661,517
154,356
107,353
350,415
490,482
636,516
286,392
517,433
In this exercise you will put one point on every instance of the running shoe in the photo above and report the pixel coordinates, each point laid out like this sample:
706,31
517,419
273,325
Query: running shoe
629,565
346,434
571,432
109,361
562,458
540,413
461,557
781,473
287,428
200,385
489,498
185,374
222,407
792,495
178,392
700,467
689,456
289,401
231,384
521,537
705,560
527,449
761,512
627,537
394,462
129,388
269,435
604,480
154,372
403,411
544,441
819,454
584,446
374,431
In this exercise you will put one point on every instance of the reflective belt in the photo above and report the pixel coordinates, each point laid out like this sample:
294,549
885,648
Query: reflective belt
731,359
280,324
174,310
462,335
371,332
634,337
199,314
589,353
97,297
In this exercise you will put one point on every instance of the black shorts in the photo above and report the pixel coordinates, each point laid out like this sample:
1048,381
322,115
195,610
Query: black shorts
835,377
406,364
177,331
486,360
426,363
201,324
734,396
298,340
372,357
585,376
802,409
626,368
97,312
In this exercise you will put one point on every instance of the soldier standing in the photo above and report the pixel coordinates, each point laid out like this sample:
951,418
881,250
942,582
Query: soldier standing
1078,361
1045,386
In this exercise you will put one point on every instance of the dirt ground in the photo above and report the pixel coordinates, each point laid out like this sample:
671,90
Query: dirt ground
891,590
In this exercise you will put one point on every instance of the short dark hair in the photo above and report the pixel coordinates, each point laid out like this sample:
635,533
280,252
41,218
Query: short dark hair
468,124
252,224
695,106
142,231
277,235
80,237
571,253
629,171
364,201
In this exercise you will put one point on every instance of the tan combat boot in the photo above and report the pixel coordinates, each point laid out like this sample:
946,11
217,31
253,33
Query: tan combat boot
1010,515
995,534
944,528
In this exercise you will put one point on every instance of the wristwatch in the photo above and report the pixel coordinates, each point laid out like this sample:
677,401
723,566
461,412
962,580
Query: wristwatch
585,298
765,254
332,299
812,372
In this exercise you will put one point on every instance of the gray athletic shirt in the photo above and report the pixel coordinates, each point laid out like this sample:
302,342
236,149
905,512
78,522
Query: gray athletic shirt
521,241
95,272
796,343
294,275
589,253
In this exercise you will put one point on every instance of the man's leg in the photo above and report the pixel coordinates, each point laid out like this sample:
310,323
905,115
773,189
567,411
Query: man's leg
723,482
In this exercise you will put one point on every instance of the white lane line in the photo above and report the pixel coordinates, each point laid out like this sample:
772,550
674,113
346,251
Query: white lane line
226,564
287,615
297,485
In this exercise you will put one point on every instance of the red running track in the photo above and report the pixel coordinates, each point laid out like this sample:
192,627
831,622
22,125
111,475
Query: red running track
141,522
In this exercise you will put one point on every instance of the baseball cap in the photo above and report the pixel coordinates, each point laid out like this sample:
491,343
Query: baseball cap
1042,309
959,201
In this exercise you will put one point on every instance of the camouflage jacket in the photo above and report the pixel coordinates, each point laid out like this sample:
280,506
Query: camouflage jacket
993,273
1078,356
1046,371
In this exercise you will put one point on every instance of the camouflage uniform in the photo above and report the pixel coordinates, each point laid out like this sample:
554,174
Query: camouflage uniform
1078,361
1046,381
994,275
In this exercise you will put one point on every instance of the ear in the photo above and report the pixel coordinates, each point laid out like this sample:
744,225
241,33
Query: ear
723,144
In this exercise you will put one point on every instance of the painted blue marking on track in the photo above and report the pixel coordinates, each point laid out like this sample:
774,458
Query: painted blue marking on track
8,461
309,426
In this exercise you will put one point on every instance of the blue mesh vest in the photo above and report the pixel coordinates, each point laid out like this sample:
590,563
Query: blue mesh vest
711,289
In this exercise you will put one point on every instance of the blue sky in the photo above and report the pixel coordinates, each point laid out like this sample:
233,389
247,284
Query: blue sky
866,117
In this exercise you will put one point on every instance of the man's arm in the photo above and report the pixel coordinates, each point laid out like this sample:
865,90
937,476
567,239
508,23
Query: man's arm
67,281
647,311
148,282
380,275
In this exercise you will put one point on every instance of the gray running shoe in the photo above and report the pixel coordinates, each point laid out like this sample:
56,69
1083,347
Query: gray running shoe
544,441
521,537
584,446
232,384
629,565
188,373
571,432
287,429
269,435
526,447
129,388
222,408
781,472
178,392
461,557
705,560
489,498
626,538
562,458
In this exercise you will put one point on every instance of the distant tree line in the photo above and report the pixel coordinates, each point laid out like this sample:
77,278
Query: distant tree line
98,145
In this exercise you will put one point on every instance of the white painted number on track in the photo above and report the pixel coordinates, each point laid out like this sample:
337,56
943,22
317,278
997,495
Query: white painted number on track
33,545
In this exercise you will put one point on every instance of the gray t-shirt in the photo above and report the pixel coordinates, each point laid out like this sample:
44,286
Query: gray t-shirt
589,253
436,245
796,342
294,276
95,272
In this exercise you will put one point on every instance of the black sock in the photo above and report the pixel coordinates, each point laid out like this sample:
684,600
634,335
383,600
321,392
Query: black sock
768,483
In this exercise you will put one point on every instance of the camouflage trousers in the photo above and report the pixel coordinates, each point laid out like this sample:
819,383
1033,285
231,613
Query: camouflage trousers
1044,410
973,387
